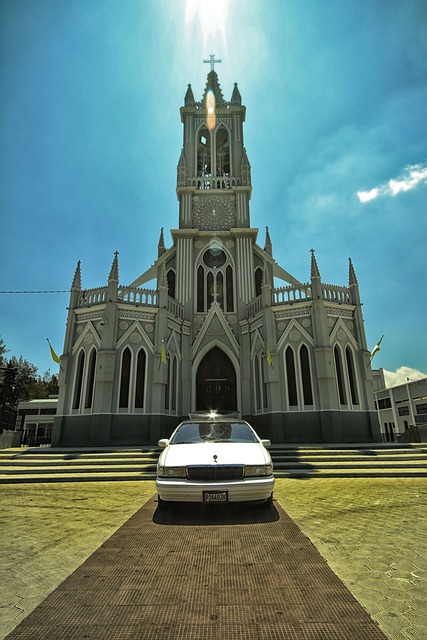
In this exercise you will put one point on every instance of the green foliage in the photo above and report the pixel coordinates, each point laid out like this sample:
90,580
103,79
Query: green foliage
22,381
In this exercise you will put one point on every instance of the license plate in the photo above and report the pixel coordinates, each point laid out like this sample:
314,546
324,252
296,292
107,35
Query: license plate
215,496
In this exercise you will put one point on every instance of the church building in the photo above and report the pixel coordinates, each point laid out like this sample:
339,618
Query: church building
215,332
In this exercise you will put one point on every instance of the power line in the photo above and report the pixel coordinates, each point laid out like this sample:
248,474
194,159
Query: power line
45,291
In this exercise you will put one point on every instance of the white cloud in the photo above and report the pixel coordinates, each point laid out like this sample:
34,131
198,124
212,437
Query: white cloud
412,176
402,375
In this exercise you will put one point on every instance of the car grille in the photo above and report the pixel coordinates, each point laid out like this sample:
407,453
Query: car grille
214,472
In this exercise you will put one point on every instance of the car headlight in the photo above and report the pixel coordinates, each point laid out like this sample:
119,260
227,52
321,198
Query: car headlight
171,472
259,470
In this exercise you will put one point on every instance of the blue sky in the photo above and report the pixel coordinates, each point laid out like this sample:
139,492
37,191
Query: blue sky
336,133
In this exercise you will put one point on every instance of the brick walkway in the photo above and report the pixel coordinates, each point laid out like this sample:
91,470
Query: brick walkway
198,573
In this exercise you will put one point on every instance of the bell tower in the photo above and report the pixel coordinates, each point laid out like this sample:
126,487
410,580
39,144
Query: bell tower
214,179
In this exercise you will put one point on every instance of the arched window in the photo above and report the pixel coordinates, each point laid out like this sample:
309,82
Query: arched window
351,376
306,375
167,386
125,379
171,283
200,289
291,377
222,153
215,281
204,168
140,380
91,379
229,287
258,281
79,380
339,373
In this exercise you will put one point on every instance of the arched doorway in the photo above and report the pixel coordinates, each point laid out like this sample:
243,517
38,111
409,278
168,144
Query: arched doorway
216,382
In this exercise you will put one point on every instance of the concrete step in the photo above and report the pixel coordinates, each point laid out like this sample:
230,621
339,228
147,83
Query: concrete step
112,464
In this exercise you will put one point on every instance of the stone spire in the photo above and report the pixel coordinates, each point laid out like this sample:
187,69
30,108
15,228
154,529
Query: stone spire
236,98
161,246
268,247
77,280
352,279
212,84
181,170
245,170
189,97
314,271
114,273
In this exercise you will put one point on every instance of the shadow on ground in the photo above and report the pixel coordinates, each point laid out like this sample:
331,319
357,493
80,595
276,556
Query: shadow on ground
188,514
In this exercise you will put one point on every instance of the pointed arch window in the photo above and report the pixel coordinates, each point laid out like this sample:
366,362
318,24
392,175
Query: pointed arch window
339,374
204,162
125,379
223,166
229,288
291,377
140,380
200,289
174,383
351,376
258,281
171,283
91,379
306,375
79,380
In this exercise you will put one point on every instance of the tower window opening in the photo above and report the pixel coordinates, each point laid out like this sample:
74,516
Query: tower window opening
291,378
125,379
204,162
340,379
222,153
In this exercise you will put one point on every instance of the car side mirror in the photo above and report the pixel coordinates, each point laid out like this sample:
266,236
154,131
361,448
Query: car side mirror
163,443
266,443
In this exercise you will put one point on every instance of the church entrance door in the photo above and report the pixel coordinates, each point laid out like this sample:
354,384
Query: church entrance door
216,382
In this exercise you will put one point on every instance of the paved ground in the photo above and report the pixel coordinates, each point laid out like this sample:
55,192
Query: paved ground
371,532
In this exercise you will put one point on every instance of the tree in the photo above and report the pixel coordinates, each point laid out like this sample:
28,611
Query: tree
22,380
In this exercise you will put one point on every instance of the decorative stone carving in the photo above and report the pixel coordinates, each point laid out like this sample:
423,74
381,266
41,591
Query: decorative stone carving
123,325
229,244
135,337
331,322
88,339
341,334
79,328
294,335
149,328
232,319
281,326
215,329
306,322
214,213
350,325
198,244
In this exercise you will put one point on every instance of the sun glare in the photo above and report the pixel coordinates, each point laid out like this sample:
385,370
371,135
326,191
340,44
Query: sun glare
212,16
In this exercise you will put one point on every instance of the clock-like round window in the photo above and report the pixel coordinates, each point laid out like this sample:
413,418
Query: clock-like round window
214,258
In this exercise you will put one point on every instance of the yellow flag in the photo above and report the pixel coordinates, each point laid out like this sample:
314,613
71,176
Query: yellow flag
163,353
55,358
268,354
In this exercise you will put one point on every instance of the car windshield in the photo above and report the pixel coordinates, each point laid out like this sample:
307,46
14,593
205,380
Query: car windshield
193,432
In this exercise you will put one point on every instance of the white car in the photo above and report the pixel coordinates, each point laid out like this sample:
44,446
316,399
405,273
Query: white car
214,459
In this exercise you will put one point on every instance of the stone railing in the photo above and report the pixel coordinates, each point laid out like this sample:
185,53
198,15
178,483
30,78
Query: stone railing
224,182
135,295
334,293
93,296
254,307
175,308
291,294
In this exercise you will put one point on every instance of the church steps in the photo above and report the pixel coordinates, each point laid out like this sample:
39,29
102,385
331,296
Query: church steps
91,465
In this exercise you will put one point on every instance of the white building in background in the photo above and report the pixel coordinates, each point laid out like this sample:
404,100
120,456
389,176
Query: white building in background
215,332
402,409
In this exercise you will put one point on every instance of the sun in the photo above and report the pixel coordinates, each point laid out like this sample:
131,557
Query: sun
212,16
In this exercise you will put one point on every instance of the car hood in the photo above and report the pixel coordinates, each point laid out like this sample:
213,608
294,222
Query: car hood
203,453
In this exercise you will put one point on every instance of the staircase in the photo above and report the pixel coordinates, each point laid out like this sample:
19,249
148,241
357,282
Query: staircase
99,465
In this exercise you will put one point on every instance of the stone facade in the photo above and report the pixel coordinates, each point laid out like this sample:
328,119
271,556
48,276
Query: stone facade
215,333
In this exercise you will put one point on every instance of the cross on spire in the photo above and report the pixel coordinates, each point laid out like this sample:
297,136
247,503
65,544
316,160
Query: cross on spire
212,61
